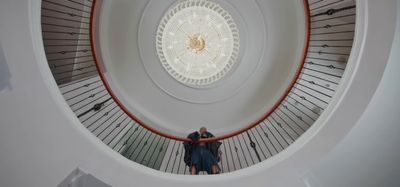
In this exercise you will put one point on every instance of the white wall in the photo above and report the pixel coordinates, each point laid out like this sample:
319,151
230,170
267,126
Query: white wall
370,154
41,141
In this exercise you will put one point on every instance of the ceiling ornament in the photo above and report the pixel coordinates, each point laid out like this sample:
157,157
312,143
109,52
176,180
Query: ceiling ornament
197,42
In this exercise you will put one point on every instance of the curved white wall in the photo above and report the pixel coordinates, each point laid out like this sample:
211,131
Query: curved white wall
269,30
41,141
370,154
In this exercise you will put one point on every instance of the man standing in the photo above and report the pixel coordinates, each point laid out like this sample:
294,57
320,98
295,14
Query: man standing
201,156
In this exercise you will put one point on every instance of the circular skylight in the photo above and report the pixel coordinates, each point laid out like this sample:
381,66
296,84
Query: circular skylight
197,42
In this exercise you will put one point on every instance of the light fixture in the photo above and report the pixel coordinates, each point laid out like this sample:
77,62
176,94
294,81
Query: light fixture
197,42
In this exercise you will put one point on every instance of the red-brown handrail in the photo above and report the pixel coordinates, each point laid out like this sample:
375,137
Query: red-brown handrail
100,69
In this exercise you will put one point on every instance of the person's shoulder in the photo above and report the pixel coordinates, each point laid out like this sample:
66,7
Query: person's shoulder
209,134
195,133
194,136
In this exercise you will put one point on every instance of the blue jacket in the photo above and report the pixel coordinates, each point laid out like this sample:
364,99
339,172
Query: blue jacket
213,147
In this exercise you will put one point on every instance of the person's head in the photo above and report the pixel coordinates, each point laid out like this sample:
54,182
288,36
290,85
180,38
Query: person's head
202,130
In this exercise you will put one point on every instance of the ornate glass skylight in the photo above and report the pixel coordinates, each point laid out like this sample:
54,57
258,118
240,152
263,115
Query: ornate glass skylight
197,42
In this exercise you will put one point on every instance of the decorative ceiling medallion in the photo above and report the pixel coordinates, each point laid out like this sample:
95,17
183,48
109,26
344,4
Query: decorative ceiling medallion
197,42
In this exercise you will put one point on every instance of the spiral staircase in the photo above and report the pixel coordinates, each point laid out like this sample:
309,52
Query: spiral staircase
65,103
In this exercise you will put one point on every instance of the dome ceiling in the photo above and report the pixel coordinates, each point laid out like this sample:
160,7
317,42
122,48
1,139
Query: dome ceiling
234,77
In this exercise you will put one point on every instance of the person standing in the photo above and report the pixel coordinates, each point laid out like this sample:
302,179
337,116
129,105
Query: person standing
201,156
